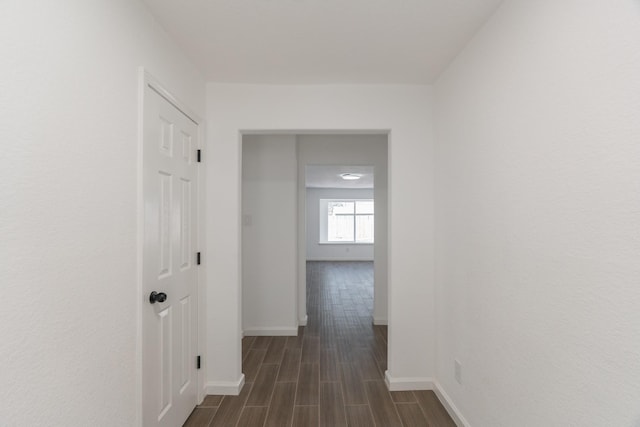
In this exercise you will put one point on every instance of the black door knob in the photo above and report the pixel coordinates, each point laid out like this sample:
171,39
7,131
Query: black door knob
157,297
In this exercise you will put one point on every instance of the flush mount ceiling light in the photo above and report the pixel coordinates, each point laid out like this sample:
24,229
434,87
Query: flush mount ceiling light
350,176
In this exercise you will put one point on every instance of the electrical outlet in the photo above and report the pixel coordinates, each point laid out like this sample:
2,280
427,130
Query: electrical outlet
457,371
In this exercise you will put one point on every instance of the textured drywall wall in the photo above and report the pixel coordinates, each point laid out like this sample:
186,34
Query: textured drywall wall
69,131
406,112
269,234
538,201
317,251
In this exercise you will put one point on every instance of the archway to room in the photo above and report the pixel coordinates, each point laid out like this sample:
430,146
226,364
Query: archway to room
340,343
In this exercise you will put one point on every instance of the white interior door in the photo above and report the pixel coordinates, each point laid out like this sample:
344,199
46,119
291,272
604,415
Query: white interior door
169,263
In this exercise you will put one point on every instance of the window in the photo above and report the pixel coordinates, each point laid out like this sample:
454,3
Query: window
348,221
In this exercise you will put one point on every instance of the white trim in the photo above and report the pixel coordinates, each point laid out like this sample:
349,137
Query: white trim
229,388
347,243
159,88
451,408
201,326
271,331
408,383
426,383
380,321
337,259
303,322
139,245
303,131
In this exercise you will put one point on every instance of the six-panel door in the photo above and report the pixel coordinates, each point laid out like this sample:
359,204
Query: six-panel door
169,257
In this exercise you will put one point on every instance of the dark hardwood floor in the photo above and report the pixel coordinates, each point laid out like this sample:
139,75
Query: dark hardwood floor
331,374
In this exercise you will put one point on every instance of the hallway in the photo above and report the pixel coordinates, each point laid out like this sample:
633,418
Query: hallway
331,374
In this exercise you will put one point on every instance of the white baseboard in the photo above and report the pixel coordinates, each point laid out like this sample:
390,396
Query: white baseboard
380,321
337,259
271,331
408,383
303,322
417,383
229,388
448,404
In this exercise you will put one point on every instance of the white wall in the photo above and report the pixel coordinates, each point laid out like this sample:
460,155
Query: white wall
69,108
363,149
538,215
405,111
269,234
316,251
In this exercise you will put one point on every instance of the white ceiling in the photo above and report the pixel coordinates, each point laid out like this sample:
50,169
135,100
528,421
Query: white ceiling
322,41
327,176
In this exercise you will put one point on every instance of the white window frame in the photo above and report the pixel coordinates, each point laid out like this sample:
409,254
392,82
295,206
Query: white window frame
324,229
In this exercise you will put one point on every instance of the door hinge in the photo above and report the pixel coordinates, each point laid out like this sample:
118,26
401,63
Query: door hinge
198,362
198,258
199,156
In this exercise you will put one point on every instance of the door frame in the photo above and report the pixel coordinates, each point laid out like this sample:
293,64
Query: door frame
145,78
301,230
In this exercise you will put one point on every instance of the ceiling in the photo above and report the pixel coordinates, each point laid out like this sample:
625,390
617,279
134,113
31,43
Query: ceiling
327,176
322,41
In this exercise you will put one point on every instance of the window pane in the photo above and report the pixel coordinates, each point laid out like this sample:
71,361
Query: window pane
340,228
364,228
336,208
364,207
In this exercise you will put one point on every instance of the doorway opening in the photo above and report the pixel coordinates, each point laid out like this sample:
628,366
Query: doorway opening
277,217
340,234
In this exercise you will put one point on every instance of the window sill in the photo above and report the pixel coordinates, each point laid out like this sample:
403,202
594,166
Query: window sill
346,243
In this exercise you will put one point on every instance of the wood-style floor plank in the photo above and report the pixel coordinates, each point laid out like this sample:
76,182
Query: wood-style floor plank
261,343
433,409
253,416
200,417
332,411
275,350
290,365
306,416
296,342
403,397
359,416
247,342
263,386
412,416
252,363
311,349
230,409
281,407
353,385
346,350
211,401
329,365
308,384
368,366
382,407
380,349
